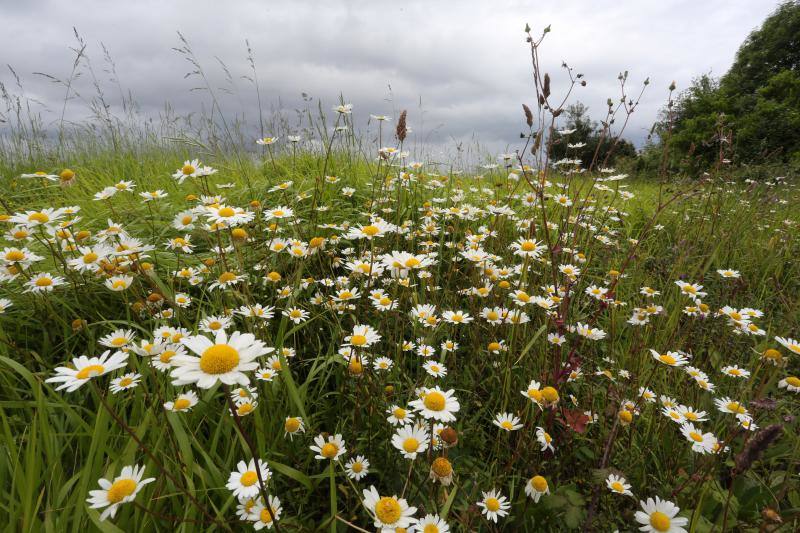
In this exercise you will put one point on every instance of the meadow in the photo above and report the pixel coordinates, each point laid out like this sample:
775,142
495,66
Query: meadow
341,337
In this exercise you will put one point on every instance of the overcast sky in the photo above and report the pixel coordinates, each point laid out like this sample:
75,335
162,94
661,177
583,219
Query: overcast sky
467,61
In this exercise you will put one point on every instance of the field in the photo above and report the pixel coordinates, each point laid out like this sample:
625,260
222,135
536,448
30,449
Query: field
428,318
333,331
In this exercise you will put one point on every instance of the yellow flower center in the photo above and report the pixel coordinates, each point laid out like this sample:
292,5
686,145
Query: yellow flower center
411,445
441,467
412,262
245,409
430,528
697,437
119,284
370,230
265,516
15,256
358,340
40,217
539,483
181,403
187,169
550,394
494,346
329,450
121,489
219,359
668,359
249,478
44,282
399,413
124,382
166,355
505,424
736,407
528,246
388,510
89,258
434,401
227,277
492,504
90,371
659,521
793,381
617,486
226,212
291,425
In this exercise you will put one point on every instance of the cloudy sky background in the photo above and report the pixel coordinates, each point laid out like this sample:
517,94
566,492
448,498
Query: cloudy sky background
466,61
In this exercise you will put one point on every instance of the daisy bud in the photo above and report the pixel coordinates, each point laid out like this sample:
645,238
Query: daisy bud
78,324
239,234
625,417
82,235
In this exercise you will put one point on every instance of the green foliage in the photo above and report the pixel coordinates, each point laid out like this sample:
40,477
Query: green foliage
751,114
597,147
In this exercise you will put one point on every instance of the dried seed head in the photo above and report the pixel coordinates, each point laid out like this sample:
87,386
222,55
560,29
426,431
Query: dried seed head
756,446
528,115
546,85
401,126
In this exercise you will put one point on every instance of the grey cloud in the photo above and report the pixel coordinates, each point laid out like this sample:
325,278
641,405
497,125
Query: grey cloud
467,60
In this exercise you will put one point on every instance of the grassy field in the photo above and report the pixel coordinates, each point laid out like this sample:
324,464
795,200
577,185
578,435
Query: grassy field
584,332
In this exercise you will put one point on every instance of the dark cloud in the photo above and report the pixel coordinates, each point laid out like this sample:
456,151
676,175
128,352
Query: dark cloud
466,61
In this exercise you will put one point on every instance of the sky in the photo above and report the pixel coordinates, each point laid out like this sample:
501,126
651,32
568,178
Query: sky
462,69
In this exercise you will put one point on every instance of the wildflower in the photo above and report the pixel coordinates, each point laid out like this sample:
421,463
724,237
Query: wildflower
435,369
123,489
436,404
669,358
43,282
494,505
431,523
390,513
357,467
125,382
362,336
618,485
332,449
660,516
292,426
184,402
701,442
295,314
441,471
263,516
544,439
536,487
790,383
118,283
85,368
399,416
244,481
790,344
410,440
507,421
223,360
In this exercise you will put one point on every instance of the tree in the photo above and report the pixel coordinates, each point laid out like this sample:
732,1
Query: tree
588,133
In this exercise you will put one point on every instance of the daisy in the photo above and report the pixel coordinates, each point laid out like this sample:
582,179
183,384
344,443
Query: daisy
127,381
790,383
184,402
278,213
790,344
215,324
435,369
399,416
357,467
735,372
701,442
382,363
659,516
263,517
431,524
362,336
295,314
292,426
123,489
245,481
506,421
726,405
669,358
441,469
528,247
85,368
223,360
456,317
43,282
436,404
163,360
410,440
544,439
493,505
728,273
225,280
390,513
536,487
618,485
332,449
118,283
